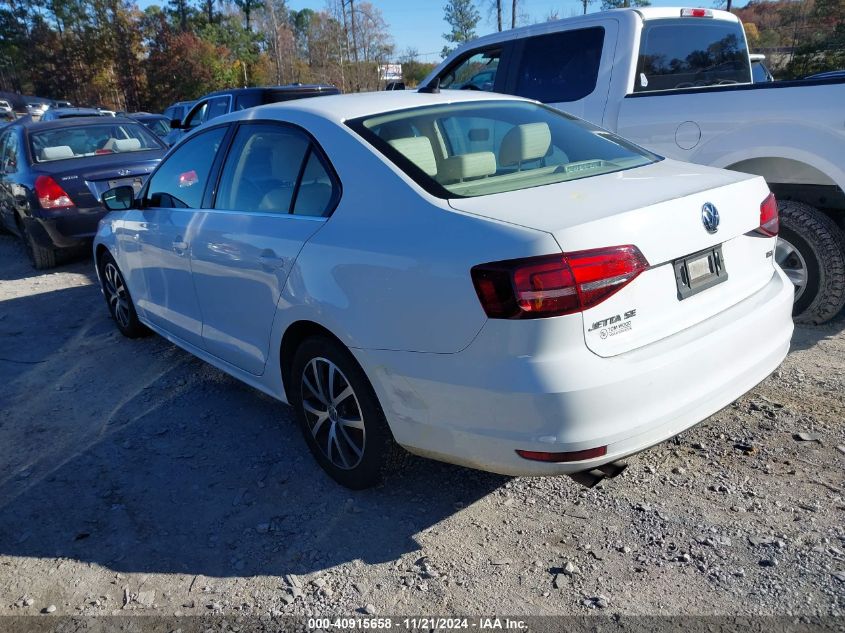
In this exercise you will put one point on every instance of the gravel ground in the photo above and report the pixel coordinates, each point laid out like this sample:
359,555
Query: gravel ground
137,479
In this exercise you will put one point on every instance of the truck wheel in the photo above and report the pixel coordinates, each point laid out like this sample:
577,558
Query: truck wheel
811,251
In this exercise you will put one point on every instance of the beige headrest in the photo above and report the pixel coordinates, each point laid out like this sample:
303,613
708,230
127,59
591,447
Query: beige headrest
418,150
525,142
55,153
122,144
127,144
466,166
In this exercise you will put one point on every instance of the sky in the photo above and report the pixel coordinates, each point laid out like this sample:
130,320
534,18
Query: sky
419,24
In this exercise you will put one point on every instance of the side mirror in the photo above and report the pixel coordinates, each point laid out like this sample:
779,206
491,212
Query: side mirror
119,199
175,124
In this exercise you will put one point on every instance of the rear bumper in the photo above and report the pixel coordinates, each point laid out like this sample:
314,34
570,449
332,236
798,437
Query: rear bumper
477,407
76,228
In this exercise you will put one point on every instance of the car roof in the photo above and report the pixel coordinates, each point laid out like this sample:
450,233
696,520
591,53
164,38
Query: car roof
659,13
93,111
285,88
38,126
342,107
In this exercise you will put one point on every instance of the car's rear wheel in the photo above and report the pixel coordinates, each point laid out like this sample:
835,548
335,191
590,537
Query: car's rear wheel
339,414
118,299
810,251
41,257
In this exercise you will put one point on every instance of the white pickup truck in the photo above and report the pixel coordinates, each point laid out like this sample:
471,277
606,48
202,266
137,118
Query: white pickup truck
678,82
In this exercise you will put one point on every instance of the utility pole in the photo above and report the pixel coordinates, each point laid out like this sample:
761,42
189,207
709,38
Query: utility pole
513,14
499,14
352,23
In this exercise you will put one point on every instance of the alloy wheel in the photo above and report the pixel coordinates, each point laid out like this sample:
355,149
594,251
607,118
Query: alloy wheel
116,294
793,264
333,413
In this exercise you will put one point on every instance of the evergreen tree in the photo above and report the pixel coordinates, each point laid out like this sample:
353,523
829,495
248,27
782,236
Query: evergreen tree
463,17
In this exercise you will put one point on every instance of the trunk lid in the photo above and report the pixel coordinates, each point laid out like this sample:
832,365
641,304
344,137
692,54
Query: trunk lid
86,179
658,209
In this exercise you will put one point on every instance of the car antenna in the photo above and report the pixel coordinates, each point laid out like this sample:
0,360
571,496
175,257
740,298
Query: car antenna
433,87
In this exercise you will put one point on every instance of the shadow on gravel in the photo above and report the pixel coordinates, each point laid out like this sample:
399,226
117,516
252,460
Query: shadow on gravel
17,265
806,336
138,457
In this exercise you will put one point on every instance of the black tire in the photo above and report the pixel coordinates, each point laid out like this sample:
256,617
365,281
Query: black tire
378,450
820,243
118,300
41,257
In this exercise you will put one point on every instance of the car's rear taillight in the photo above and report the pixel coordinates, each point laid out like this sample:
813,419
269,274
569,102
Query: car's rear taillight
554,285
769,218
50,194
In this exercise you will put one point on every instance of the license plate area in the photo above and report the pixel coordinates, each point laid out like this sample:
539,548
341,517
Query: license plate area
136,183
699,271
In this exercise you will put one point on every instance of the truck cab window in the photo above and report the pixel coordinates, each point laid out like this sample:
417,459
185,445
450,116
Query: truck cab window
691,53
560,67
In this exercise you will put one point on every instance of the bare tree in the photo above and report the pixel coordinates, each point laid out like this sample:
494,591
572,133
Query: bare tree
365,38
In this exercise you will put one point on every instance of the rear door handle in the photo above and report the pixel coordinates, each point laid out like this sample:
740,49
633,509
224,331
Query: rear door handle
179,247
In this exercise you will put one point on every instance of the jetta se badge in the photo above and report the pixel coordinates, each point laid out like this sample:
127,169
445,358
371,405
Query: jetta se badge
710,217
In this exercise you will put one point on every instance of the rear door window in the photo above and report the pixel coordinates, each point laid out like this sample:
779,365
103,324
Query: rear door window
317,190
180,180
218,106
262,169
560,67
247,100
274,168
9,153
691,53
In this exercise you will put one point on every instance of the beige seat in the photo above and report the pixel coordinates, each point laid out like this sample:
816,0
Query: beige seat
122,144
285,163
57,152
525,143
418,150
466,166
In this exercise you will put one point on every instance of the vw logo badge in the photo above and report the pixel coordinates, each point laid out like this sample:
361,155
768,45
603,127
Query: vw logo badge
710,217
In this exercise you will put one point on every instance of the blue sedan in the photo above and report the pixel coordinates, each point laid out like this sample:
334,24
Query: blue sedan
53,174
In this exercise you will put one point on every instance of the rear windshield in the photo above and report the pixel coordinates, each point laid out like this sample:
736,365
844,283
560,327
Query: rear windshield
691,53
159,127
89,140
480,148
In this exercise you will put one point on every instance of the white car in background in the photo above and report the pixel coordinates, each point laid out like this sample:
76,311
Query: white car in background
479,279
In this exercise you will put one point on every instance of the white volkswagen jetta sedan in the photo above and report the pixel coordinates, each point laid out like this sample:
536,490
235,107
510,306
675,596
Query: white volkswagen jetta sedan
476,278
